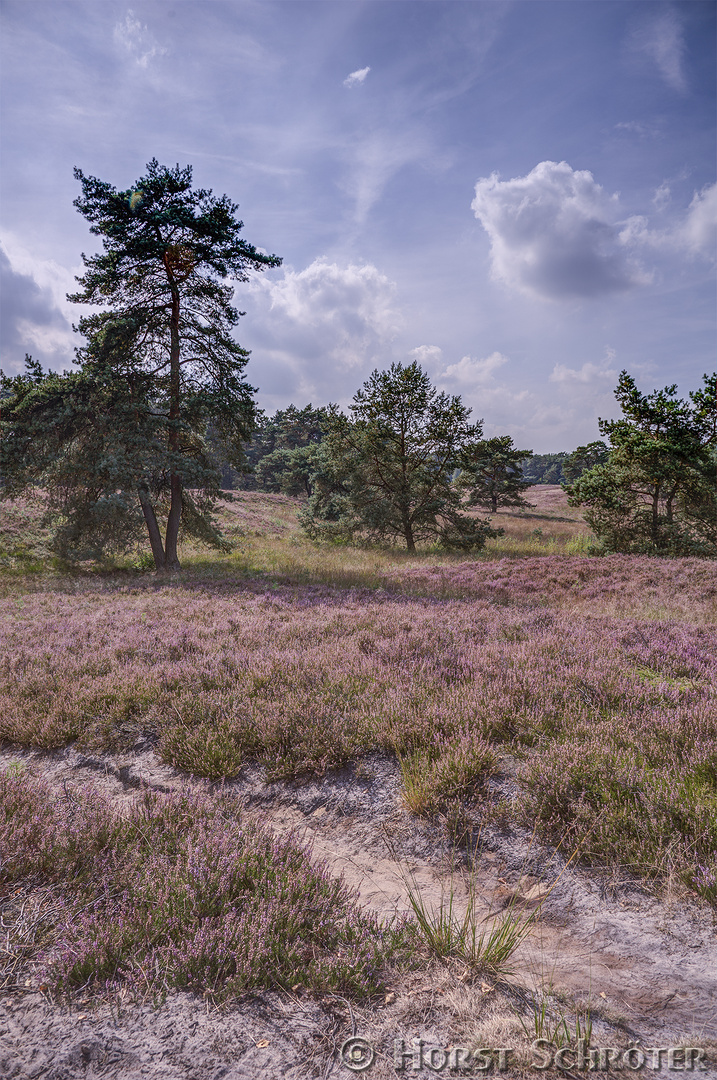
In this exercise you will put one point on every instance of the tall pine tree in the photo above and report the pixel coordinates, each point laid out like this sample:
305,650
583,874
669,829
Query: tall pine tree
159,364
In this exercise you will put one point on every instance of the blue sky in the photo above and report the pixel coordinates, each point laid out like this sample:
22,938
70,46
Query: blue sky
520,195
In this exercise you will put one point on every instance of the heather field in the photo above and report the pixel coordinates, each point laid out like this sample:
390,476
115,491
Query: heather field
612,719
535,689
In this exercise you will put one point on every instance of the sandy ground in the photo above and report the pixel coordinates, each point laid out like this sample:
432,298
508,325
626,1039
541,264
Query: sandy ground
646,968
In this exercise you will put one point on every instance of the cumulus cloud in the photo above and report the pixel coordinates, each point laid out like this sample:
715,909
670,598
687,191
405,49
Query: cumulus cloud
662,40
555,233
500,402
472,372
134,37
356,77
30,322
537,416
318,332
588,374
466,373
428,356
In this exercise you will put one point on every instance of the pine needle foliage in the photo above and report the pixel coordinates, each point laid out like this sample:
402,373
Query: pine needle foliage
386,472
123,440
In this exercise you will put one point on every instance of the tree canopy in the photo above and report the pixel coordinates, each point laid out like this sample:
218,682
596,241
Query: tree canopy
284,450
657,490
545,468
125,436
386,471
584,458
493,475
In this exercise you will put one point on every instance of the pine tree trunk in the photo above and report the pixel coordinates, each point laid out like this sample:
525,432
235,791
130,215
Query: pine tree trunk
171,560
668,505
655,514
494,503
408,533
155,537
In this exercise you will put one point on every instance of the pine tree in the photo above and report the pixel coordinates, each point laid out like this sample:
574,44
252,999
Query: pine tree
493,475
657,490
386,472
161,348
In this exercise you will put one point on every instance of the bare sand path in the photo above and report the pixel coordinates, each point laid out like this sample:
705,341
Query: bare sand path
645,967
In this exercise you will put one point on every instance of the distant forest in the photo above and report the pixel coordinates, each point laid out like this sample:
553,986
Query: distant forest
276,439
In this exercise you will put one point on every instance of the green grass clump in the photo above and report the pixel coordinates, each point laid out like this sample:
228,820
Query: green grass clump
453,769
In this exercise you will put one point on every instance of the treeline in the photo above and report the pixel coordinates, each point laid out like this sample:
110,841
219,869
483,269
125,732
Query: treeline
405,464
281,454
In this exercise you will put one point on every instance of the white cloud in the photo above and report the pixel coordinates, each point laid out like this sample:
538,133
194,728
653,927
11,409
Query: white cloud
587,374
663,41
354,301
555,233
503,405
699,230
692,233
135,38
48,274
356,77
31,320
472,372
428,356
468,371
320,331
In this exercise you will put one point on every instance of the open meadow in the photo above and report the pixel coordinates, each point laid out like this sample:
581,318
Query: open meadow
298,793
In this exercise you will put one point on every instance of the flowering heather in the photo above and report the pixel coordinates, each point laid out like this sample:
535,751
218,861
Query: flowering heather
639,586
555,661
181,893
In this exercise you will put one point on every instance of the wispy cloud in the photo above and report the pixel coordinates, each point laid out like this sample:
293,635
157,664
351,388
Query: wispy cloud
662,196
690,232
134,37
356,77
638,129
375,158
662,40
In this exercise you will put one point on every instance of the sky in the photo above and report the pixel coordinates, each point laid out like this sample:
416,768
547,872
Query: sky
519,195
